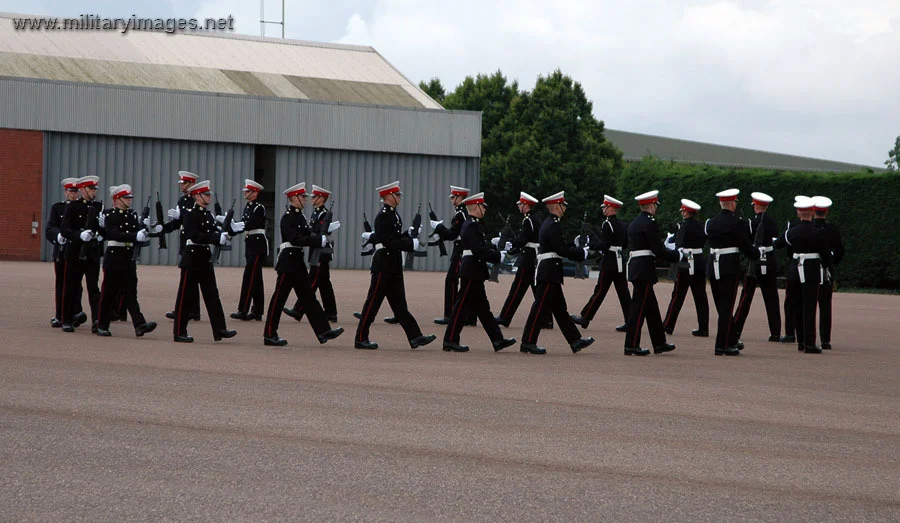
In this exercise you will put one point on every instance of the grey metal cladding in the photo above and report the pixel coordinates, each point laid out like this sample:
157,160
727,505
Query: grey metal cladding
352,176
149,165
50,105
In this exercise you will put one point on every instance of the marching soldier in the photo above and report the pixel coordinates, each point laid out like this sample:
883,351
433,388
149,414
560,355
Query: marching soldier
186,181
292,273
123,229
550,299
689,240
645,246
443,233
613,239
527,243
253,224
727,240
83,238
811,254
53,233
387,272
473,272
763,273
201,235
319,269
821,207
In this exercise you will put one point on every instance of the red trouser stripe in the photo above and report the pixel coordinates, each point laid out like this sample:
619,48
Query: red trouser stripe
519,279
102,292
181,297
674,299
459,307
273,304
538,315
368,310
250,286
640,317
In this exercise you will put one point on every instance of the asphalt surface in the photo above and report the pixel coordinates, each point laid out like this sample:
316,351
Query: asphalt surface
144,429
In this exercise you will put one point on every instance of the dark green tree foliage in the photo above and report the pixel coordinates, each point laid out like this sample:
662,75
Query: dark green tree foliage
893,161
871,259
434,88
491,95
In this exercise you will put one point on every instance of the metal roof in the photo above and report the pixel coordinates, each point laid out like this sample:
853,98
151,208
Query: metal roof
208,62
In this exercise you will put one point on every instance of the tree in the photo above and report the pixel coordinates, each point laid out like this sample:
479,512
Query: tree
434,88
893,161
491,95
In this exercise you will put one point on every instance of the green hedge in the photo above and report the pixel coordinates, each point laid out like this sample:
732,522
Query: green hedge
863,207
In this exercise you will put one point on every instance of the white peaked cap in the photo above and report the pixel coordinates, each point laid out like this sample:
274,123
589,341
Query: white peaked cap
690,205
761,198
250,185
647,197
821,202
728,195
296,190
524,197
804,202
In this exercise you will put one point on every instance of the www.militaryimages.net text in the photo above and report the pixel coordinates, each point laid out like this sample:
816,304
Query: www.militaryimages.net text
91,22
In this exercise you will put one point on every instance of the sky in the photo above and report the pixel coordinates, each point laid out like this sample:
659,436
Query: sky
812,78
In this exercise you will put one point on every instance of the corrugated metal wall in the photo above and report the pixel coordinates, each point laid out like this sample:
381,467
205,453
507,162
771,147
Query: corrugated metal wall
352,176
148,165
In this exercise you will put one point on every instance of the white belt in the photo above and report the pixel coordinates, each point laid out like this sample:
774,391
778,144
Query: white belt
379,246
638,254
762,259
467,252
802,257
191,242
256,231
617,249
547,256
715,253
533,245
113,243
690,259
768,249
288,245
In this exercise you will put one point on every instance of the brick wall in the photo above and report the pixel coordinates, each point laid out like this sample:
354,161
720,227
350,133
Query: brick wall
21,174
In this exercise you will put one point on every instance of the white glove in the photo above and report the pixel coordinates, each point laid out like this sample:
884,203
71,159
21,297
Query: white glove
60,239
223,238
774,239
586,252
146,222
324,241
587,240
333,226
157,228
502,256
576,240
365,236
86,236
762,252
508,246
101,220
142,235
435,223
220,218
237,226
670,242
415,244
434,237
495,240
174,214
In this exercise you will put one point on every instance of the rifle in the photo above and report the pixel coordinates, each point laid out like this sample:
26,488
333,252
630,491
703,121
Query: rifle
316,255
368,228
439,242
505,234
217,250
414,233
758,239
145,214
582,242
160,219
91,224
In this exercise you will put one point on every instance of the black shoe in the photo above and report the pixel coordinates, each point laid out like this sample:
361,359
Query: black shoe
365,345
788,339
503,343
224,333
739,345
800,347
420,341
665,347
55,323
391,320
501,322
471,323
812,349
826,346
579,320
276,341
775,339
531,348
455,347
67,328
332,318
330,334
170,315
238,315
254,316
144,328
637,351
293,313
580,344
123,317
195,317
730,351
668,331
184,339
622,328
103,332
78,319
357,315
700,333
442,320
94,327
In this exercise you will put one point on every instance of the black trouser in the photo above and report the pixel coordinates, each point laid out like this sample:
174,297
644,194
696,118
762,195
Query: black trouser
390,286
724,291
120,308
804,296
696,283
605,280
188,299
789,328
522,283
549,300
59,269
119,286
472,300
768,285
75,271
299,282
826,290
320,279
253,298
643,305
451,286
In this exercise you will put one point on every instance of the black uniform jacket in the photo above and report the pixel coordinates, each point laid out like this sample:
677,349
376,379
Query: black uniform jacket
833,236
120,226
452,232
316,223
643,234
770,230
613,233
550,238
727,230
690,235
184,204
388,227
806,238
54,224
474,267
199,226
73,223
254,217
296,231
528,234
